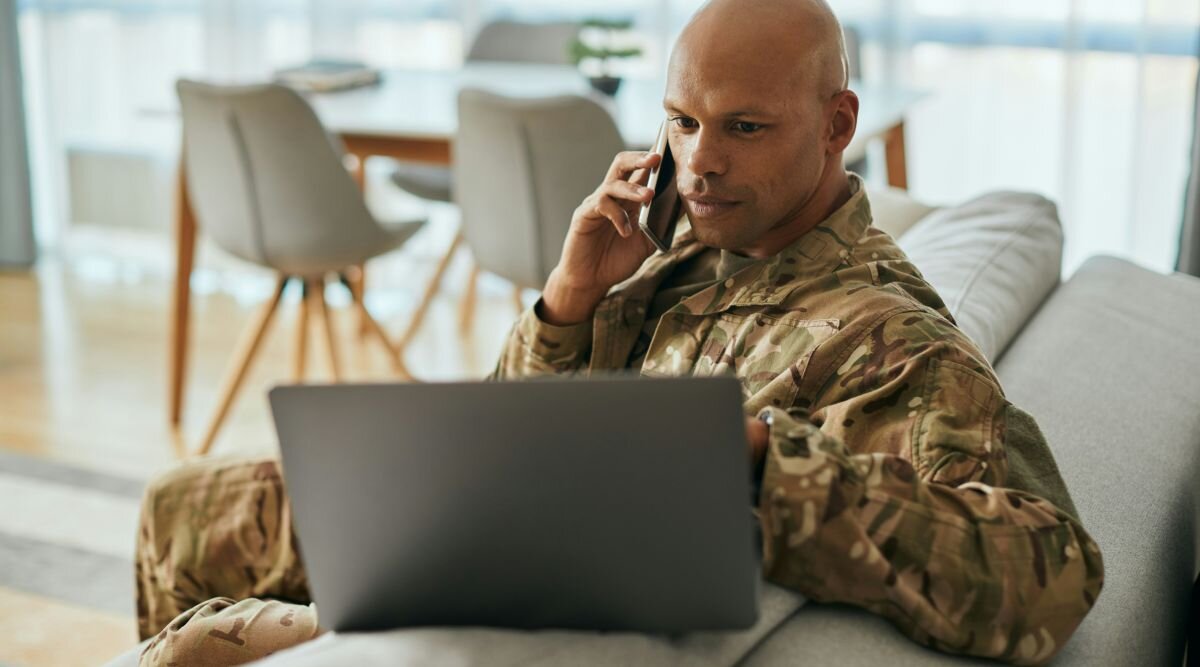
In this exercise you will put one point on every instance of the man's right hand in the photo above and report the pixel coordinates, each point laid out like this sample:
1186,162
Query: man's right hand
604,245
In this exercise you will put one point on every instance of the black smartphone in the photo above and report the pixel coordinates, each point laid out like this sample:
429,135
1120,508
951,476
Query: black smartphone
657,219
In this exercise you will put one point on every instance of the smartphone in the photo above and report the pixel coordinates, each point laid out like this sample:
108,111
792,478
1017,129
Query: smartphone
657,219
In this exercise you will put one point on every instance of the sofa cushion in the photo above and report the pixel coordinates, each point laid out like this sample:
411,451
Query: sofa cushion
1111,371
993,259
1109,368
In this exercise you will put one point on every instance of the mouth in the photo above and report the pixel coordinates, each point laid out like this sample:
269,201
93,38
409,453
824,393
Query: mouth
707,206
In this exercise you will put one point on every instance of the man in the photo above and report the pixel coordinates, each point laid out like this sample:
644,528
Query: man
880,432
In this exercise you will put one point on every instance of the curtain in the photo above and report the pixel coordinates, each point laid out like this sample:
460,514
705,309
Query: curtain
1189,232
1088,102
100,75
16,216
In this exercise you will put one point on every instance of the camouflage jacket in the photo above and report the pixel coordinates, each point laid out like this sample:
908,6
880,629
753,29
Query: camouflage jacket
884,482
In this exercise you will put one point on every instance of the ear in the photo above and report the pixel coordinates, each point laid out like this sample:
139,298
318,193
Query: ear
843,121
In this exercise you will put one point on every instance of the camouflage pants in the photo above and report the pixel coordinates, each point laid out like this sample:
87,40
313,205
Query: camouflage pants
211,533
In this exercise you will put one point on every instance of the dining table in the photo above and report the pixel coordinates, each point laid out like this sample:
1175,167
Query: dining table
411,115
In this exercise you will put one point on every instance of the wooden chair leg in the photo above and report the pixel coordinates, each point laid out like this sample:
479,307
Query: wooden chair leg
518,300
335,367
299,361
430,291
358,287
247,349
466,308
396,354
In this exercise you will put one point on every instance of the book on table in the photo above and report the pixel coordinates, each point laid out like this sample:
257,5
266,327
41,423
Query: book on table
323,76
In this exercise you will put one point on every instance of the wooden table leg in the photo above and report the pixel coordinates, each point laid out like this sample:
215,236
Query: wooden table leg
185,255
897,163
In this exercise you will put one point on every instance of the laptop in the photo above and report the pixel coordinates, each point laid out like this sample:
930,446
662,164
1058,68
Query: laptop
616,504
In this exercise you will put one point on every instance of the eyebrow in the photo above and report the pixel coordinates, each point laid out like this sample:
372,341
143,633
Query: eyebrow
740,113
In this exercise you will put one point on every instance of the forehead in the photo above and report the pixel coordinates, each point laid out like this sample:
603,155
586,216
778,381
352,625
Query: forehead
717,80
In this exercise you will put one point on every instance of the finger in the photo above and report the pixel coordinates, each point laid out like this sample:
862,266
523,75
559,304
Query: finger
627,162
624,191
610,209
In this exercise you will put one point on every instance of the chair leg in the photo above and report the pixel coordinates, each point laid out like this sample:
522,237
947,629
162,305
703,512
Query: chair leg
396,354
466,309
299,361
430,291
518,301
335,367
358,287
247,349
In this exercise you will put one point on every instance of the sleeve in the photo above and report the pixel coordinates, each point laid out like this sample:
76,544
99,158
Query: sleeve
889,495
224,632
534,347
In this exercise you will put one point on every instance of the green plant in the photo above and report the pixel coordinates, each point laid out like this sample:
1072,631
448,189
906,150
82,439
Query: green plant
599,40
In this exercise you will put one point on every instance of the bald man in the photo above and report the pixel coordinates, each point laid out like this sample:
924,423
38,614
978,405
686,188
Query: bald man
880,434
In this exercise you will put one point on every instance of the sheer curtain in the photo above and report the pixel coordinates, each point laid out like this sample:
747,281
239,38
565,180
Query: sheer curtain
1086,101
100,84
16,217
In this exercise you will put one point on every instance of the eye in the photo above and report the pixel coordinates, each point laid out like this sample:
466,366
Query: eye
685,123
746,127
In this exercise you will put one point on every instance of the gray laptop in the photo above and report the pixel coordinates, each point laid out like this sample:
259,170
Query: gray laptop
609,504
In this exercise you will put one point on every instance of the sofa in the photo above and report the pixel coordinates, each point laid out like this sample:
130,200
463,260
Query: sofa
1108,363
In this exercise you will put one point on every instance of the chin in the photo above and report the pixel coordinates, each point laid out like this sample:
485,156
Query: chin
722,236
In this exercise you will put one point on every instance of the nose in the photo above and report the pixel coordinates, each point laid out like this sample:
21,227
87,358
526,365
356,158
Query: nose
706,156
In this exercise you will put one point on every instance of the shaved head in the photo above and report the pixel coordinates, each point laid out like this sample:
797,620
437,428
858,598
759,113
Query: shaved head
790,38
760,114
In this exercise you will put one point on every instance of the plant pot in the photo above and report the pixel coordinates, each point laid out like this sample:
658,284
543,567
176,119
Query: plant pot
609,85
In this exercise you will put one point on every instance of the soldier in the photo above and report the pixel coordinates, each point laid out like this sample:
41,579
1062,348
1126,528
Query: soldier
891,466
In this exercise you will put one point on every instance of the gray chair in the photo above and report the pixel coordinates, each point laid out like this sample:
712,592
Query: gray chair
521,167
516,42
498,41
268,185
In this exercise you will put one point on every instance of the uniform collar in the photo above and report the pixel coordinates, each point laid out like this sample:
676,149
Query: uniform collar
766,282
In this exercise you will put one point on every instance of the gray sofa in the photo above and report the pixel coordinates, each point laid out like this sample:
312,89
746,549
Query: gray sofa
1109,364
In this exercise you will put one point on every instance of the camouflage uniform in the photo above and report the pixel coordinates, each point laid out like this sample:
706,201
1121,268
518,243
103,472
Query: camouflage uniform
884,485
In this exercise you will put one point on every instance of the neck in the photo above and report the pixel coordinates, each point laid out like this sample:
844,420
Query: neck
831,193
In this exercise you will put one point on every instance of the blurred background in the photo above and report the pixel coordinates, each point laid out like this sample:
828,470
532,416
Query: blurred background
1086,101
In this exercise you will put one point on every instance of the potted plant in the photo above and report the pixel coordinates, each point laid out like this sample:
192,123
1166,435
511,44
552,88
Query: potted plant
599,43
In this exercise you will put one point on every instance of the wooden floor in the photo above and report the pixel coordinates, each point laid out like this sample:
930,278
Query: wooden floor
83,351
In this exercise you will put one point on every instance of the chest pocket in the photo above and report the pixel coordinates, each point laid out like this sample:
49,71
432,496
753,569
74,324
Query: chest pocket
768,353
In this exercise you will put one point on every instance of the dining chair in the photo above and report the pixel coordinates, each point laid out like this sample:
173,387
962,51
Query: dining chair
268,184
497,41
521,166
